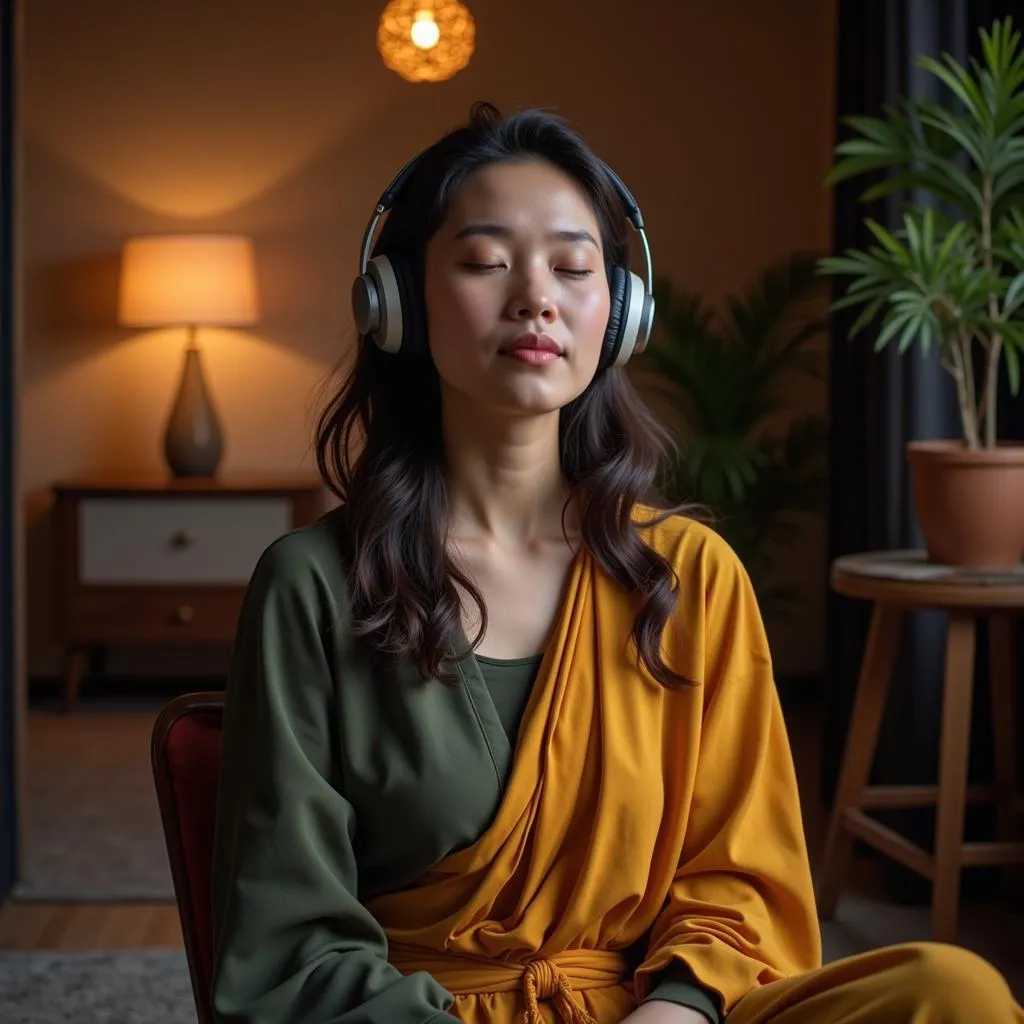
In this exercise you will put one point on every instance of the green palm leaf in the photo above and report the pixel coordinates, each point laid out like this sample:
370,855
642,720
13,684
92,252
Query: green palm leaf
742,451
951,276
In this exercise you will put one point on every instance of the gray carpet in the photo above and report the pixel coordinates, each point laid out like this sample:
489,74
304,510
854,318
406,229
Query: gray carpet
145,987
91,822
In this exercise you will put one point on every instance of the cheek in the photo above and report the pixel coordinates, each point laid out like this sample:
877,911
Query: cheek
473,304
590,316
456,308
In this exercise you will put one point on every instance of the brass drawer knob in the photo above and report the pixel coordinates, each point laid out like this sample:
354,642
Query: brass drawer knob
184,613
182,540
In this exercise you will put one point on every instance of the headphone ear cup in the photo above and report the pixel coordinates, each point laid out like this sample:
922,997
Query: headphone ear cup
617,288
377,305
636,314
386,306
414,331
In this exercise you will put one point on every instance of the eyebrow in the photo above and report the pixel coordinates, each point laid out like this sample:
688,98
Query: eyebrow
492,230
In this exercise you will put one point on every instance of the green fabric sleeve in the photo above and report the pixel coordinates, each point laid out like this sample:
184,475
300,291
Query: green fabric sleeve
292,942
676,984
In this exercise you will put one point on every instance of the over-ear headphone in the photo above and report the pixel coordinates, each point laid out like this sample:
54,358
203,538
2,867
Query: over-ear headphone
387,305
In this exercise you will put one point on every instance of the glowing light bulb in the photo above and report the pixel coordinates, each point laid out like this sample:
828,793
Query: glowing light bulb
426,40
424,31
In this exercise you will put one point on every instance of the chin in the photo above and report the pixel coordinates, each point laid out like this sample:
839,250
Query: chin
536,401
506,395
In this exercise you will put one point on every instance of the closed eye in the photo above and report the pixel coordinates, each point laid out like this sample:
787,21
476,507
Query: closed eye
484,267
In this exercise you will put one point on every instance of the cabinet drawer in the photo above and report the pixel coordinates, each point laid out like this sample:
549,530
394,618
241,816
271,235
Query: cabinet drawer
154,541
112,615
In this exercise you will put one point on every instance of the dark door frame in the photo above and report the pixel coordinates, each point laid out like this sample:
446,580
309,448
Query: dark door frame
8,498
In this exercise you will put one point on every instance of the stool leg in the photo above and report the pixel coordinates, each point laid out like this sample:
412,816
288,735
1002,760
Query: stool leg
869,704
956,732
1004,730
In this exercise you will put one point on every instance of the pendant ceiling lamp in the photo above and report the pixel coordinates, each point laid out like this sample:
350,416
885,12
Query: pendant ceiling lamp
426,40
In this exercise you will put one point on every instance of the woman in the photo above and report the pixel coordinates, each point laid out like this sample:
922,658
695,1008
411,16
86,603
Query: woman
502,742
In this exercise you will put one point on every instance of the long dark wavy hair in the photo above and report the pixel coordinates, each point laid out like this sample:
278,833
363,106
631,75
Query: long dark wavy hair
379,445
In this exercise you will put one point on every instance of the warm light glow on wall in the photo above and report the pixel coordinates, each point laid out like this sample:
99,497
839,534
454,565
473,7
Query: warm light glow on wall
426,40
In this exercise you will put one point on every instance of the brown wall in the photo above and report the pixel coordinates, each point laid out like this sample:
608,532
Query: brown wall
279,120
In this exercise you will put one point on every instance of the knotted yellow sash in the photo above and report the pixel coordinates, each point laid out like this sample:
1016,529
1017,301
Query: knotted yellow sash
632,810
535,982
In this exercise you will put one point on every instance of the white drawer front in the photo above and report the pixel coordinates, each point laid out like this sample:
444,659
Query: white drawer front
176,540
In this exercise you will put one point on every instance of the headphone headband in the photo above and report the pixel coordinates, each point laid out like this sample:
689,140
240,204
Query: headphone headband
390,194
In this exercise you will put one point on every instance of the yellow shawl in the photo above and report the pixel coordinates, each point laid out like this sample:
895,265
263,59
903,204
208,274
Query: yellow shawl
633,813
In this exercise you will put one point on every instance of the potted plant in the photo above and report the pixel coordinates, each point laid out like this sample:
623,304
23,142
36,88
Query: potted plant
952,279
743,452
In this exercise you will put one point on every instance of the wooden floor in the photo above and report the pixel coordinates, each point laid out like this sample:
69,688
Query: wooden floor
85,926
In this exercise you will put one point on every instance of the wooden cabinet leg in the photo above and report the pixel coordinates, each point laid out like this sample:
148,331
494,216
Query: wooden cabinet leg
862,739
76,662
958,687
1006,751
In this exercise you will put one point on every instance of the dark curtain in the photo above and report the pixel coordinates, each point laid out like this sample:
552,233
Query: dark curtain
7,618
878,402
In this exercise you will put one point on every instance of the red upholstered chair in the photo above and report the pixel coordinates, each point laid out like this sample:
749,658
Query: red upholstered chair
185,751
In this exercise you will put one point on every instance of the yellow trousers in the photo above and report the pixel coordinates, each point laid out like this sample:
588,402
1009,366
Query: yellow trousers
916,983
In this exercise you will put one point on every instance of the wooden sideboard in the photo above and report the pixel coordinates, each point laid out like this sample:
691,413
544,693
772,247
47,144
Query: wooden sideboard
163,560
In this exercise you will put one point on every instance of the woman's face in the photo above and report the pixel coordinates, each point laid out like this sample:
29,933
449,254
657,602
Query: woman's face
517,269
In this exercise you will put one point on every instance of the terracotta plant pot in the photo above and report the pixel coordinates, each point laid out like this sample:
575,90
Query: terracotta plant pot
970,504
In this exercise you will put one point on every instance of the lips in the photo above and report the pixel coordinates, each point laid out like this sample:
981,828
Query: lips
536,342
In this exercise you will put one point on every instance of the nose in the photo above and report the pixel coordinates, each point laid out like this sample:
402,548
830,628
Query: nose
532,300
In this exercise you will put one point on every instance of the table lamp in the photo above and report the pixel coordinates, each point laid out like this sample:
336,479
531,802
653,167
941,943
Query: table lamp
189,281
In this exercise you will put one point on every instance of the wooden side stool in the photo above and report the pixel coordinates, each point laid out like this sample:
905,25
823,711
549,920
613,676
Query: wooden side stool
898,581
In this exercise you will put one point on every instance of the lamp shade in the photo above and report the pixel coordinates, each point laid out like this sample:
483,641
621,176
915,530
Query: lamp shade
188,279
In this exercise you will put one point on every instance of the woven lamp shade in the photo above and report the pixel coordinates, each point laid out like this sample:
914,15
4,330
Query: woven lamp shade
426,40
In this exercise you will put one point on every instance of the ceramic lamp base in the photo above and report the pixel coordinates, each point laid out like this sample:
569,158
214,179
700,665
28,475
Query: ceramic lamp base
193,442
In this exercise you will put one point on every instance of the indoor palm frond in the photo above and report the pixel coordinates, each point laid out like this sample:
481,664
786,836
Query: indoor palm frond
743,450
951,276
